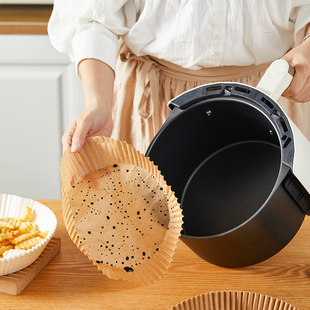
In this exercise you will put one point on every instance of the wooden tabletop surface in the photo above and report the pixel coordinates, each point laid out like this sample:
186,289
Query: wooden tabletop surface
24,19
71,281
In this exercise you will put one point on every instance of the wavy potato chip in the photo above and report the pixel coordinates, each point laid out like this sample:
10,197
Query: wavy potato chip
24,237
26,227
29,243
6,236
28,215
10,223
5,242
22,234
43,234
5,248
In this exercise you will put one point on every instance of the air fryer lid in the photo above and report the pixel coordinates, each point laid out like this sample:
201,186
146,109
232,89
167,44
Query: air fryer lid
227,150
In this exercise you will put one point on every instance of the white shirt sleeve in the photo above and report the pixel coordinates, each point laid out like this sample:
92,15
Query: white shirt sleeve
302,19
90,29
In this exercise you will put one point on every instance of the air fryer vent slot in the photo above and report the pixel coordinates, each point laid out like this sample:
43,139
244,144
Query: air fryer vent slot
214,88
268,103
242,90
282,122
287,142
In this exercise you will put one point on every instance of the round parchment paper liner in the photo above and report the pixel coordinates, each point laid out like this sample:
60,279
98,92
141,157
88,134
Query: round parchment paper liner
119,211
233,300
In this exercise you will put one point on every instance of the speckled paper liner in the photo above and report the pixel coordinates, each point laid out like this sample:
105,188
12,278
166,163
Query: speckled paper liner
119,211
233,300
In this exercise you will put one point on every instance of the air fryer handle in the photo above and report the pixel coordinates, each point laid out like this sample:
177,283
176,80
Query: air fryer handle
276,79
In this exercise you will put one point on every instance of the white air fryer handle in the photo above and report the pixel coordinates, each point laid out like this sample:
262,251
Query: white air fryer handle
301,163
273,83
276,79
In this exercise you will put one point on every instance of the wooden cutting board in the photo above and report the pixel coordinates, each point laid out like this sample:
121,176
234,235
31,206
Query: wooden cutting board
14,283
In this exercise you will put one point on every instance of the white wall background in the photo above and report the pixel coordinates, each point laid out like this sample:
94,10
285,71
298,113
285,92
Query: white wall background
40,95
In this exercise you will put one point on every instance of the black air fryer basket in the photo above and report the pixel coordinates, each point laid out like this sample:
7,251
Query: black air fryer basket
239,167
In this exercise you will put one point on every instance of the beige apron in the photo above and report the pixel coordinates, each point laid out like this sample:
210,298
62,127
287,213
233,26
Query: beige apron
144,85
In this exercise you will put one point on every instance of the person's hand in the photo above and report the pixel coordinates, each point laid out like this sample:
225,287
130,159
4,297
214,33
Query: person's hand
93,121
96,119
299,59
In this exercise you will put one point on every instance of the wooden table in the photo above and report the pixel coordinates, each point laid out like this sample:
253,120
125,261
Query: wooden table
24,19
71,281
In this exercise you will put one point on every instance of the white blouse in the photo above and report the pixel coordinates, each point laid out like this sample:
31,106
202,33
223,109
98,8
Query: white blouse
194,34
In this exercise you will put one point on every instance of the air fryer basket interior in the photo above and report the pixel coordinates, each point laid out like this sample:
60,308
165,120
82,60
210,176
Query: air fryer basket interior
222,159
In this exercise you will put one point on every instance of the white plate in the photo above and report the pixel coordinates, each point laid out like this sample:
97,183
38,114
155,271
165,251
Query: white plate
14,206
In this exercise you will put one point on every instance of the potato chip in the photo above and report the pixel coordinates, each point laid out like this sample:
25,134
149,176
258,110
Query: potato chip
28,244
24,237
5,236
43,234
22,234
9,223
28,216
26,227
5,242
6,253
4,230
5,248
